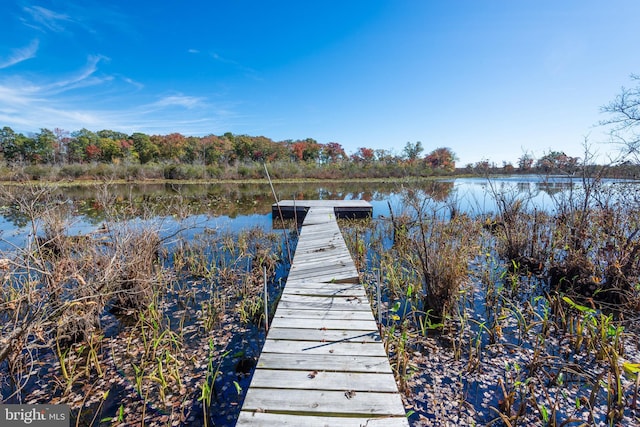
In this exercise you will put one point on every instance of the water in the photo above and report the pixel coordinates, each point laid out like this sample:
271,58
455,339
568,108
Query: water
234,207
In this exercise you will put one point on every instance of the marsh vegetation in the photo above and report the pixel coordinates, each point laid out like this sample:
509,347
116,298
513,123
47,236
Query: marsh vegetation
132,323
513,303
515,316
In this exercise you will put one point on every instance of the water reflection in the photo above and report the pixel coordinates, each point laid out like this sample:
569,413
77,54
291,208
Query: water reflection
241,205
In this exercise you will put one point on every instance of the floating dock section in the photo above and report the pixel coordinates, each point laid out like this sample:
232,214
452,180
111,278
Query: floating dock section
289,209
323,362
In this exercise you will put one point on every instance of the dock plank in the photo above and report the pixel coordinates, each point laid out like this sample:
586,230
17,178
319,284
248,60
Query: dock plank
306,323
321,305
331,300
352,335
329,347
323,362
324,401
323,314
323,380
278,420
360,293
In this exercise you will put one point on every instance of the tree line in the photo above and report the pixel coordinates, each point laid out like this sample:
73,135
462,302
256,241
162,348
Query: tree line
58,147
219,153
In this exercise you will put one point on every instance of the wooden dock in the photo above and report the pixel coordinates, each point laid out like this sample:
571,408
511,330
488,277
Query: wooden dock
323,362
342,208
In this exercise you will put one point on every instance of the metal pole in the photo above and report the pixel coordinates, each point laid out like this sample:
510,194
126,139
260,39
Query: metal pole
266,300
275,197
379,299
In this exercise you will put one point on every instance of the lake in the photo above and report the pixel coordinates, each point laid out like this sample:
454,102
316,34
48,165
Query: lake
237,206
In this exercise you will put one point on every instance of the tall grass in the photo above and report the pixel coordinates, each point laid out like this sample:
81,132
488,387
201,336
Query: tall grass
124,307
547,294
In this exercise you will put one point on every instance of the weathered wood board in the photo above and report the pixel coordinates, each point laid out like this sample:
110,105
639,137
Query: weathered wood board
323,362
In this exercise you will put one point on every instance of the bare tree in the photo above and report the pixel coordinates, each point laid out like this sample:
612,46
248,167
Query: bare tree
624,119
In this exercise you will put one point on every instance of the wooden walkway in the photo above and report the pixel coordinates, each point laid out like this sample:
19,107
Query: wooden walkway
323,363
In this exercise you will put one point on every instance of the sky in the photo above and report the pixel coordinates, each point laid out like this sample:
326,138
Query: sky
490,79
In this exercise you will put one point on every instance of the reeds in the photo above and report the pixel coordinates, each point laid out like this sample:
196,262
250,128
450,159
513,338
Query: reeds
528,318
549,293
125,307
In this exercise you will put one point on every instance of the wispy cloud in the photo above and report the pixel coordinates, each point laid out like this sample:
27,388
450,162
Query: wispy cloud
19,55
132,82
34,104
30,105
224,60
83,78
16,89
188,102
43,18
89,94
248,71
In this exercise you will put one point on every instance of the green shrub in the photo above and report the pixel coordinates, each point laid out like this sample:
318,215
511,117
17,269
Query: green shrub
41,172
73,171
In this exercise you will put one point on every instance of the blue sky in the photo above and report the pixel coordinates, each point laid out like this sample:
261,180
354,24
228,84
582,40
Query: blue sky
490,79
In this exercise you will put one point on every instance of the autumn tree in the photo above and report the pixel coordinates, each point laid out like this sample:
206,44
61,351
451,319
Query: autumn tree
243,146
482,166
297,149
78,143
363,155
385,156
441,158
112,134
305,150
110,150
216,149
557,161
332,152
170,147
93,153
507,167
126,148
265,149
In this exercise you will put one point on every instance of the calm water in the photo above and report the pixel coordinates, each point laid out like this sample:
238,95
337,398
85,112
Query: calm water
229,207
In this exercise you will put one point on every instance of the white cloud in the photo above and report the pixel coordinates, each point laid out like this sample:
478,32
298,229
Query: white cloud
81,79
30,102
193,51
132,82
19,55
35,104
188,102
248,71
47,18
